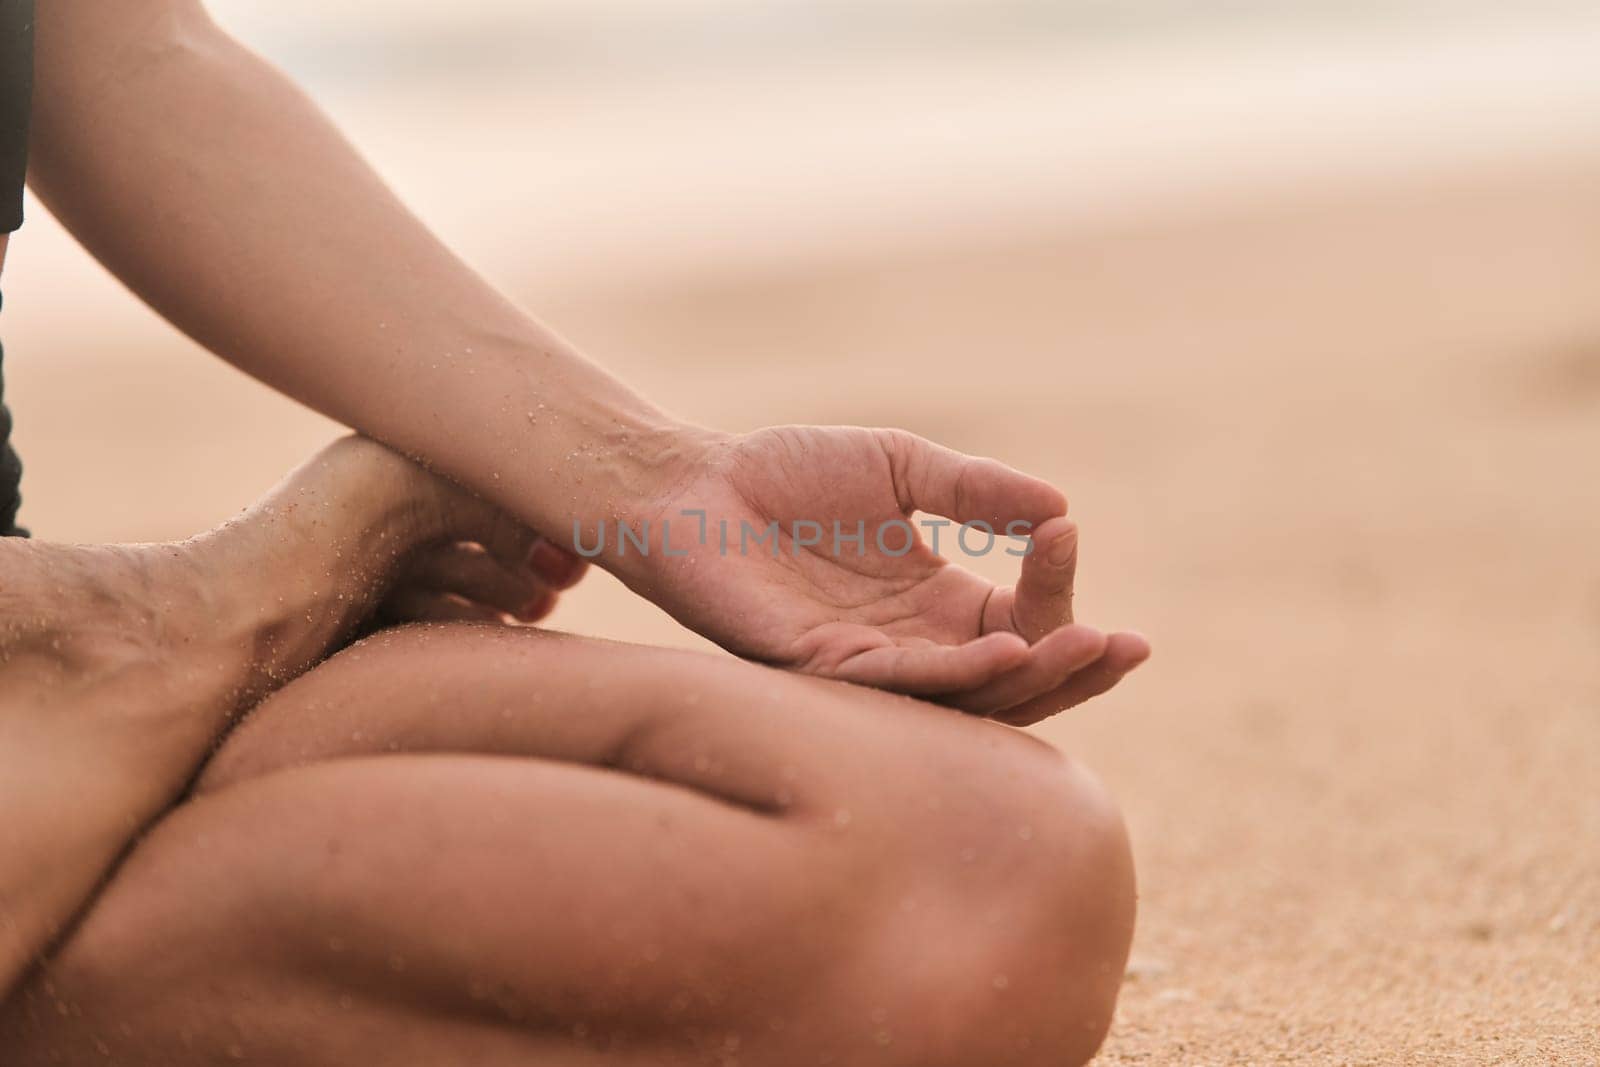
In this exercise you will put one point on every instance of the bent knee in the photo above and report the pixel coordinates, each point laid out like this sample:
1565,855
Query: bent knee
1020,923
1078,896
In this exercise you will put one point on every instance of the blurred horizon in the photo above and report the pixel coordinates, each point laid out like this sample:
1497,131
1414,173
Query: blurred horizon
571,148
369,39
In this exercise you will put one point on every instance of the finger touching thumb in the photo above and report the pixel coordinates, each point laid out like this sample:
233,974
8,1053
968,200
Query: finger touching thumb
1043,599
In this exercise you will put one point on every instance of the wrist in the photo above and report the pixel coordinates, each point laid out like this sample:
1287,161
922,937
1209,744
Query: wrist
641,483
599,452
304,566
532,426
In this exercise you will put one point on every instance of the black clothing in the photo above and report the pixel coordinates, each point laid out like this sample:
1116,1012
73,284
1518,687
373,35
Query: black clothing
10,470
16,102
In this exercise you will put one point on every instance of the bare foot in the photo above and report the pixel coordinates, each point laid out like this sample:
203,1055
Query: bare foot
121,665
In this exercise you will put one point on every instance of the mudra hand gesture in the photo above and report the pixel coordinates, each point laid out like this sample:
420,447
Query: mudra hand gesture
883,610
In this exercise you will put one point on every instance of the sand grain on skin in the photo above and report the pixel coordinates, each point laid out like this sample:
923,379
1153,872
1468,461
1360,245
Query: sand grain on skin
1337,457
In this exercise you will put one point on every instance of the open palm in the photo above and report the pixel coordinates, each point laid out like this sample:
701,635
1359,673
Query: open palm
772,567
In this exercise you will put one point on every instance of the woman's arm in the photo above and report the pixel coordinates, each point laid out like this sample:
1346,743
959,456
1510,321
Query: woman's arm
211,186
220,194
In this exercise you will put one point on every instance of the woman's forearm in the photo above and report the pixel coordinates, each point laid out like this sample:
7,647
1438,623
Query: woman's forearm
218,192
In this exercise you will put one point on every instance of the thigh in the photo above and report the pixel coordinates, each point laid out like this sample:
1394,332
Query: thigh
476,845
753,736
426,910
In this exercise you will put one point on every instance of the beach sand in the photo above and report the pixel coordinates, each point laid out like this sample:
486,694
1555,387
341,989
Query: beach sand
1335,453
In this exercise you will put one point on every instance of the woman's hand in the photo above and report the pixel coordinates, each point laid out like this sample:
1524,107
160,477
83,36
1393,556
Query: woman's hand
889,613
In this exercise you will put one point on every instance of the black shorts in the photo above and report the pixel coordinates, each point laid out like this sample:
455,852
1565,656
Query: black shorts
10,467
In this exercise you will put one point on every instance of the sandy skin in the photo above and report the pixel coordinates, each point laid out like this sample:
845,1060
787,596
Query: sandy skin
632,835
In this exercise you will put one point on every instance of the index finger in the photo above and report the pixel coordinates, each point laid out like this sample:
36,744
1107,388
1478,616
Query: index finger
941,481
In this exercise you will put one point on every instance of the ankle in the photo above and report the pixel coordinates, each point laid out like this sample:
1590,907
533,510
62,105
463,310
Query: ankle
298,573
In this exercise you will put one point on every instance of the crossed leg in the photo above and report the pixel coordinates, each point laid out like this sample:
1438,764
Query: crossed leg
459,844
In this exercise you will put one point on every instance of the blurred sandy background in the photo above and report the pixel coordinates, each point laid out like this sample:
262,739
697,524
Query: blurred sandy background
1300,302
